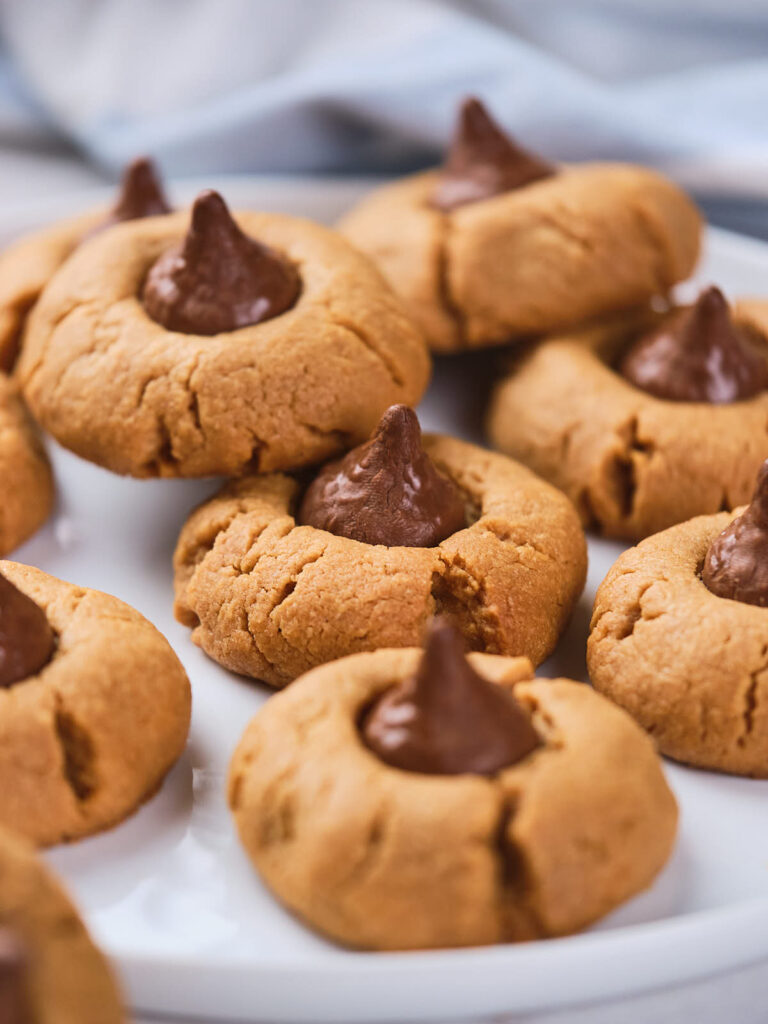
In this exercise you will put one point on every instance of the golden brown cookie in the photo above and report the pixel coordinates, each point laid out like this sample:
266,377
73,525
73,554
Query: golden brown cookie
690,666
28,264
118,388
26,267
90,736
589,240
632,463
272,599
382,858
27,481
64,978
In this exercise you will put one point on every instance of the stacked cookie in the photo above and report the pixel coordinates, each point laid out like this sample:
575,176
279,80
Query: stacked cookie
400,792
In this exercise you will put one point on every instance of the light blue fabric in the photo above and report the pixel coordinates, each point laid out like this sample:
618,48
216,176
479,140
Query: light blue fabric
355,85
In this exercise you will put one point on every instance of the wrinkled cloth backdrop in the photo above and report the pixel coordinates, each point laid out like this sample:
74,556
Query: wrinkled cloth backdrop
370,85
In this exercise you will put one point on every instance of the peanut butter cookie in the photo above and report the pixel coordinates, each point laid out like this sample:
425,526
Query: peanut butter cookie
647,420
94,707
50,970
263,344
680,638
394,801
25,472
499,245
275,577
28,264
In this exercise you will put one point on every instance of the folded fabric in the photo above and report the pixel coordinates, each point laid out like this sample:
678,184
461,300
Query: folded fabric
329,85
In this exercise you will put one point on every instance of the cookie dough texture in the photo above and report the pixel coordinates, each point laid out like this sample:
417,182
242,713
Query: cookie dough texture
691,667
90,737
27,481
631,463
593,239
68,978
271,599
380,858
26,267
119,389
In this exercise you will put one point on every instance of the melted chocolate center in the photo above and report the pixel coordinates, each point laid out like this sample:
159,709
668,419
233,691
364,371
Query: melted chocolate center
447,719
14,1003
218,279
483,161
697,355
386,491
26,639
736,565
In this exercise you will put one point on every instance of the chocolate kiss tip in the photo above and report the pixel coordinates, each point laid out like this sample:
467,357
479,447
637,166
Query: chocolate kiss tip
399,424
447,719
209,207
141,193
475,122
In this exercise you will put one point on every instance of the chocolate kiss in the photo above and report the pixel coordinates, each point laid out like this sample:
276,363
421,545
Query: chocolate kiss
736,565
386,491
218,279
483,161
447,719
141,195
14,1005
697,355
26,638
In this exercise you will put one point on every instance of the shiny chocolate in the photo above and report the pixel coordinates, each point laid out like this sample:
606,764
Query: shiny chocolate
26,639
386,491
218,279
483,161
697,354
736,564
447,719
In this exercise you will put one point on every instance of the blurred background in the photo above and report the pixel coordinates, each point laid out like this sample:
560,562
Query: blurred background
370,86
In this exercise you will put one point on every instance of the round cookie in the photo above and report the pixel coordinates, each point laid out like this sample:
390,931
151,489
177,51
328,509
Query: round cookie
690,666
632,463
270,598
28,489
563,247
28,264
89,736
52,967
384,858
118,388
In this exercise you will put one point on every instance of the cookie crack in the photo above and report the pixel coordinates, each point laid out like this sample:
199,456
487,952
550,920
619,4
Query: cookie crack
290,585
506,537
445,296
373,844
518,915
622,471
357,332
751,701
459,595
77,752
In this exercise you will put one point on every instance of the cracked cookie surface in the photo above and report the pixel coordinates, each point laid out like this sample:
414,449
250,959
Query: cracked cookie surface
593,239
380,858
91,736
271,599
119,389
67,979
28,489
689,666
632,464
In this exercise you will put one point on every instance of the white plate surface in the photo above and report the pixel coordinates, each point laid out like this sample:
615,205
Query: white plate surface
170,895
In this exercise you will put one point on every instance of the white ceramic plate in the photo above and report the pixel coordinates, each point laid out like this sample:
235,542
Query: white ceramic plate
171,896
